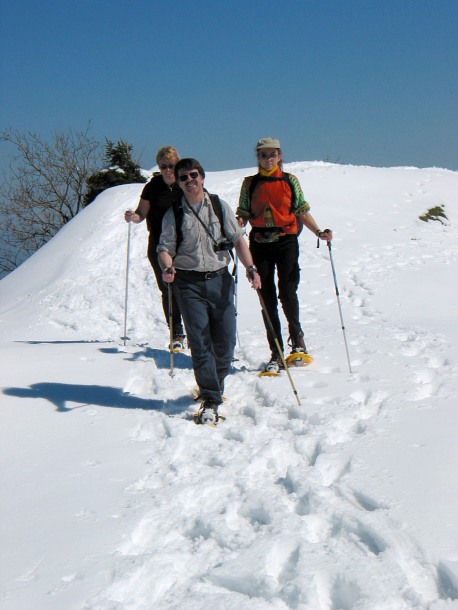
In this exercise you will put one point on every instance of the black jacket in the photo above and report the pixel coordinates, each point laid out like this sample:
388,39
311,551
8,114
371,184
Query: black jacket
160,196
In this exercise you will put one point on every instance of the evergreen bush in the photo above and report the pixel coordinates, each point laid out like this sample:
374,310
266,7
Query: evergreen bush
121,169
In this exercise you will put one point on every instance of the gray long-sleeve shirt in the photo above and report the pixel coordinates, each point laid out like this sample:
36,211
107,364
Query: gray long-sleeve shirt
196,251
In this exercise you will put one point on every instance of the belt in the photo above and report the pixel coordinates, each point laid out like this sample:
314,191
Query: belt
199,275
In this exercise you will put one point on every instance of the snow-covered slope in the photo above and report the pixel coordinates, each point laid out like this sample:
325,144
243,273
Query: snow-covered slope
113,499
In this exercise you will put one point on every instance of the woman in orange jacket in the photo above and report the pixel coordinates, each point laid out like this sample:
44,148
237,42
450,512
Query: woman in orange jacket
273,203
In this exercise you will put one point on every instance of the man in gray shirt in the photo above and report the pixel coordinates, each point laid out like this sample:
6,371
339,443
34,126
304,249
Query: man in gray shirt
194,255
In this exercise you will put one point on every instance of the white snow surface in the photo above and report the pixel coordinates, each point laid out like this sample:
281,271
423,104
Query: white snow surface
111,497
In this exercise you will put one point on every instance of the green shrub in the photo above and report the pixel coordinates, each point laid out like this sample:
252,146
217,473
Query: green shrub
435,213
122,170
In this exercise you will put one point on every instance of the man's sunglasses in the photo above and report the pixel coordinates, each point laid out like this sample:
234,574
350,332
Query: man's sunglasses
271,155
167,166
184,177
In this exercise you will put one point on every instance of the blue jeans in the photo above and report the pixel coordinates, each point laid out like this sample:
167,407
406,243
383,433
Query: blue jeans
208,311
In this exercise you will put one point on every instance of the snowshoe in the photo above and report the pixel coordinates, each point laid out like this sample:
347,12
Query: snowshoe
273,367
298,359
298,356
208,414
178,344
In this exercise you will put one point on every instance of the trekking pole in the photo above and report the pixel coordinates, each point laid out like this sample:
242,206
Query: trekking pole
125,337
236,284
169,288
338,303
279,349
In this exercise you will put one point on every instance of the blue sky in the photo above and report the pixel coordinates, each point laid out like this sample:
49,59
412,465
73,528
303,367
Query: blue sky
365,82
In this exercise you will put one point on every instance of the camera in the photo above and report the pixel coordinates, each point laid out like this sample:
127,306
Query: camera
222,245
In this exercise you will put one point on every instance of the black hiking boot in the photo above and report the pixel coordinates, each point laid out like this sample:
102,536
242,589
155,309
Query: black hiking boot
178,343
298,344
299,355
274,366
208,413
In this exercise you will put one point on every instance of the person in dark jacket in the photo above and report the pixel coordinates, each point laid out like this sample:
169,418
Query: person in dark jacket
156,198
273,203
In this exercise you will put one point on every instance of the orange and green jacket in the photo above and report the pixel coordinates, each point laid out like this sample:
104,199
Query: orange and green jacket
276,201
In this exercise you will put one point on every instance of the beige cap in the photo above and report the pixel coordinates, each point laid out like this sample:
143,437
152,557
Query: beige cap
267,143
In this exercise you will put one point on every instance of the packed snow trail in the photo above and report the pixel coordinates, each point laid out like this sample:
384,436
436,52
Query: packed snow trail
344,549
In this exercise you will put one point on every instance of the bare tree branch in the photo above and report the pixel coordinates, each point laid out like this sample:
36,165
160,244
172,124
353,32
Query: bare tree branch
43,190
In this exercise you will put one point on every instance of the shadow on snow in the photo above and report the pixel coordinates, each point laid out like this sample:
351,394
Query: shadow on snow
161,357
59,394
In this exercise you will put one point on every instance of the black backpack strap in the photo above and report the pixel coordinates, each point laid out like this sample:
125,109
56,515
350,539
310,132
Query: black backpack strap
286,177
253,181
218,209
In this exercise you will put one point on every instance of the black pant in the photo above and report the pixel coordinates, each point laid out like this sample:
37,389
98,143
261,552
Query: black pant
282,256
176,314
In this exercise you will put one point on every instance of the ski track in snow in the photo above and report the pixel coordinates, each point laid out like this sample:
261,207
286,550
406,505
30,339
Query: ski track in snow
226,549
231,543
